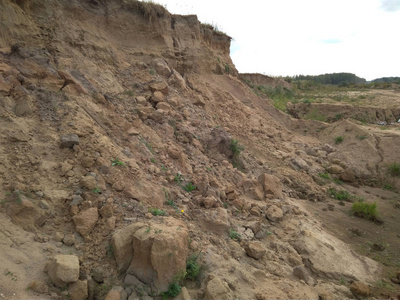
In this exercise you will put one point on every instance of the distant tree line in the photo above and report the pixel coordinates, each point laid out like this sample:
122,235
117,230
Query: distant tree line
386,80
333,78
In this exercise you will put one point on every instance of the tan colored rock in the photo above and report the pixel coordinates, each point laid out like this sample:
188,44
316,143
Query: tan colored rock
78,290
302,273
89,182
348,176
39,287
274,213
63,269
216,220
272,186
177,80
255,250
209,202
159,86
161,67
86,220
159,253
335,169
113,295
253,189
141,100
217,289
133,131
360,289
163,105
158,97
122,244
106,211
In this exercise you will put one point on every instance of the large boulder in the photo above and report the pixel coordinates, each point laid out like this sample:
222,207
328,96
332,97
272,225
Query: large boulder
159,252
217,289
272,186
63,269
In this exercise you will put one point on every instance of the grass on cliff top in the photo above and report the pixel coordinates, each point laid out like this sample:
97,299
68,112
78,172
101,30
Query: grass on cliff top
148,8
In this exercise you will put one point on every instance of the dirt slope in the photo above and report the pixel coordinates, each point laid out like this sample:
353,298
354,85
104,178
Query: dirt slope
120,130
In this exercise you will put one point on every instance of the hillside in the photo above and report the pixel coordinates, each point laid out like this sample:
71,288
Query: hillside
137,165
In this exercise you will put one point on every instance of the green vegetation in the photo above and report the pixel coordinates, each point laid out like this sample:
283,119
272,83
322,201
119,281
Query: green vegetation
117,162
189,187
314,114
157,212
361,137
324,175
96,190
236,147
365,210
168,200
227,69
338,140
178,178
394,169
152,72
234,235
333,79
193,268
14,196
339,194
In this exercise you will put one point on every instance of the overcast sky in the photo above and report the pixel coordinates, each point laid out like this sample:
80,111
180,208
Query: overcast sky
309,37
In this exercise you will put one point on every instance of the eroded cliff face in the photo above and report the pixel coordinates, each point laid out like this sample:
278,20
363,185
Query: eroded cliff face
121,130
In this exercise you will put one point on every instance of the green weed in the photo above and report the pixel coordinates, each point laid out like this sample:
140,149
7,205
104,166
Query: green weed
96,190
339,194
234,235
338,140
157,212
324,175
365,210
394,169
178,178
193,268
117,162
361,137
189,187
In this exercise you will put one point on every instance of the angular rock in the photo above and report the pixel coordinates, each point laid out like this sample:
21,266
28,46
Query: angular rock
69,140
113,295
78,290
253,189
160,252
302,273
86,220
274,213
159,86
255,250
217,289
89,182
158,97
272,186
122,244
161,67
360,289
69,239
106,211
348,176
63,269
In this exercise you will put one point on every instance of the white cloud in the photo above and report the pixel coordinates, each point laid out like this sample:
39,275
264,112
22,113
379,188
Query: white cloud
390,5
289,37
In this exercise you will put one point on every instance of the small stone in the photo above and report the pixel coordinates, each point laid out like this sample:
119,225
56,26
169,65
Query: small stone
274,213
158,97
97,275
69,140
39,287
58,236
86,220
78,290
255,250
69,239
302,273
44,204
113,295
106,211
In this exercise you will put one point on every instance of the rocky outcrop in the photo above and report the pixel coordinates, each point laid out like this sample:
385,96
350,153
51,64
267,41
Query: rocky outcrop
63,269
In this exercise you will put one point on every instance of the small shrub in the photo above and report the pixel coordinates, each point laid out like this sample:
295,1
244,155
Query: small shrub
152,72
338,117
339,194
157,212
178,178
324,175
364,210
339,139
361,137
193,268
189,187
174,289
394,169
117,162
234,235
236,147
168,200
227,69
